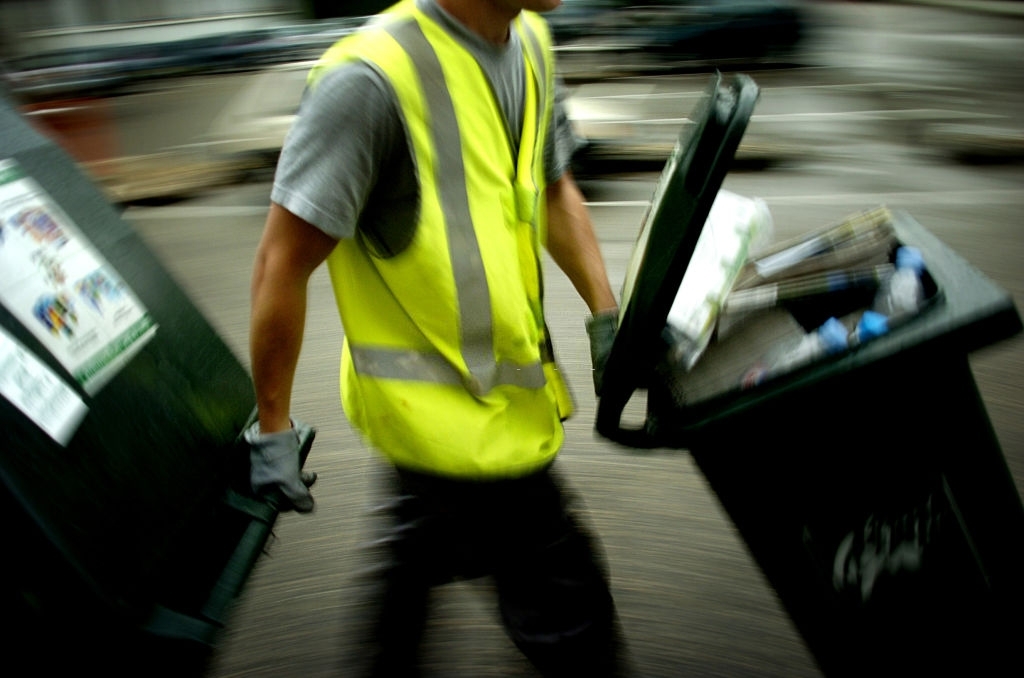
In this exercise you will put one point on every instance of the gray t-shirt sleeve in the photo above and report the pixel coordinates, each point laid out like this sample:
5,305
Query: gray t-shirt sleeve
347,129
561,139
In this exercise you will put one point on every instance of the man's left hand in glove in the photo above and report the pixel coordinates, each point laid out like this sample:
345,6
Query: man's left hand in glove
601,328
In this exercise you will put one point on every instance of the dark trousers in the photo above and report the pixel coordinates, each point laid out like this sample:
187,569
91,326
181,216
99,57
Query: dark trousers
551,583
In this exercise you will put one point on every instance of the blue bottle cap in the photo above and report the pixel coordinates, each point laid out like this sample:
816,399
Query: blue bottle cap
909,257
871,325
833,336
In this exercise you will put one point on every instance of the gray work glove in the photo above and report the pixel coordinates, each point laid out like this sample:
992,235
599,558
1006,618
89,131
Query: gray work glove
601,330
275,465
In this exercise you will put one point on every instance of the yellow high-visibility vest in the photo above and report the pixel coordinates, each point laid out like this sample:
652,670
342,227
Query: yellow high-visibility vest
447,365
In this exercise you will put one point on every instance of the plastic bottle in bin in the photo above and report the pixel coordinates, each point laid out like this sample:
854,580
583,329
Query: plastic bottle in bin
829,339
870,325
902,293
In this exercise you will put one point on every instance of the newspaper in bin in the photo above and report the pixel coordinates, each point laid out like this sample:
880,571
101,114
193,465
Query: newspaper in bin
735,226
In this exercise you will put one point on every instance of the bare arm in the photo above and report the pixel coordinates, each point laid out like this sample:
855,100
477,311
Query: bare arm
288,253
574,247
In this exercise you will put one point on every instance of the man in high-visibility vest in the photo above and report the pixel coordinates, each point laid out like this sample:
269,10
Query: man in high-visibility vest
429,168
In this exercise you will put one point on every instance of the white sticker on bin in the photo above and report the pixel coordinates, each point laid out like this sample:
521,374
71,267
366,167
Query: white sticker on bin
36,390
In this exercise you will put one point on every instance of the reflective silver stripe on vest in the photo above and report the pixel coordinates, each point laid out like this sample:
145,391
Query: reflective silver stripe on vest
547,354
433,368
477,338
540,70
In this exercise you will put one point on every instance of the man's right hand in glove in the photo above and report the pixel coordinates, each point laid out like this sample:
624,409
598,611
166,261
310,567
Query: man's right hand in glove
275,466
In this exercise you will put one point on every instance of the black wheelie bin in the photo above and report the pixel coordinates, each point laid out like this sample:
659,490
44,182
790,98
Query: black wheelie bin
868,484
129,525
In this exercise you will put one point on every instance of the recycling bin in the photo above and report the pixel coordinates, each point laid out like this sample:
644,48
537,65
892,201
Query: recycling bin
130,527
868,484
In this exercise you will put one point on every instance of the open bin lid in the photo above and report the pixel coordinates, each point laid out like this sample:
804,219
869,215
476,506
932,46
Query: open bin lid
669,232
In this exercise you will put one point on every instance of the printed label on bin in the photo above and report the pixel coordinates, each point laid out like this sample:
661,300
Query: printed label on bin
37,391
55,282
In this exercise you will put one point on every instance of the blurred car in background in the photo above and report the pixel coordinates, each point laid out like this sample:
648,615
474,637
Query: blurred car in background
107,70
153,120
602,36
597,38
157,119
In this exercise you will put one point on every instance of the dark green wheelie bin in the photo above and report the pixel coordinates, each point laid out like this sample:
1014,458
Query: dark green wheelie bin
868,485
129,526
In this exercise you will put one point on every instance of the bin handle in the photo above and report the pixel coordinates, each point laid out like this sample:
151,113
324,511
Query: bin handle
609,422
